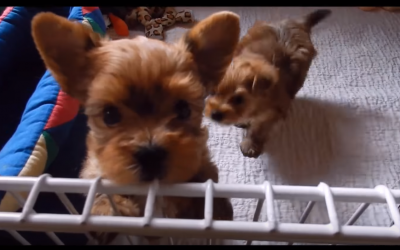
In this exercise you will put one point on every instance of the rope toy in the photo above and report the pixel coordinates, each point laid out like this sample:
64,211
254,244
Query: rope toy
167,16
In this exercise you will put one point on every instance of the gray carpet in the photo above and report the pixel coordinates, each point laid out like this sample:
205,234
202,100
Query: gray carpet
344,128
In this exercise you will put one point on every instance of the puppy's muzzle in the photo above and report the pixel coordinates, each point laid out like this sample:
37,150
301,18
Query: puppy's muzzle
151,161
217,115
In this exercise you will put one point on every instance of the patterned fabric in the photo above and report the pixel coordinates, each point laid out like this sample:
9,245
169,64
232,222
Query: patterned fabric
49,113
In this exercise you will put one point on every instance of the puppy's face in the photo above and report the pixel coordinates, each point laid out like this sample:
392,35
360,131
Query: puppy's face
270,66
238,96
144,98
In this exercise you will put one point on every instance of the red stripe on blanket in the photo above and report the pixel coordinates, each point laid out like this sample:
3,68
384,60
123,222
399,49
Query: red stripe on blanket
5,13
86,10
65,109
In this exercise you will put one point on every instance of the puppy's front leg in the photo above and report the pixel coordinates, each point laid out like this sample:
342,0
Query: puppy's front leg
125,207
193,208
257,134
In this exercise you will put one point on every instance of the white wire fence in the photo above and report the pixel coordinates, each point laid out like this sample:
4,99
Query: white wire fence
148,225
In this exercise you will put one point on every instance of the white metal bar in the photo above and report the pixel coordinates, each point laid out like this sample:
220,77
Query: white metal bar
170,239
71,208
392,223
195,229
14,233
305,215
116,212
150,201
21,203
257,213
360,210
330,206
67,203
271,230
32,197
394,212
281,192
208,204
307,212
269,197
208,207
90,199
18,237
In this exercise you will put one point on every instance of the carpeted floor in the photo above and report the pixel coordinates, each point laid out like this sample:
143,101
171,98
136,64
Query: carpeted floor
344,128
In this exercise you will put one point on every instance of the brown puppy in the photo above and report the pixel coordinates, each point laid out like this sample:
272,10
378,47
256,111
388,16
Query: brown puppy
270,65
144,101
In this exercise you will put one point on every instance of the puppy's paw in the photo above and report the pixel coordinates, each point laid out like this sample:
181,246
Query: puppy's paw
242,125
103,238
223,209
250,149
102,206
124,205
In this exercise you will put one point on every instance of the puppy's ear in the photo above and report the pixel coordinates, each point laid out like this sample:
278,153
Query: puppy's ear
212,43
266,77
314,18
259,84
65,48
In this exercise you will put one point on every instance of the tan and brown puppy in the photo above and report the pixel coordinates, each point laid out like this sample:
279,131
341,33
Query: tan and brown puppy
144,100
269,68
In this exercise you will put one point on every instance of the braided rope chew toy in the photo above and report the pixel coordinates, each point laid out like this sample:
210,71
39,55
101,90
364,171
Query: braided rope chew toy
154,27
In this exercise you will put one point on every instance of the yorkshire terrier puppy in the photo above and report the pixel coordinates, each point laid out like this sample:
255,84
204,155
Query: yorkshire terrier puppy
269,67
144,100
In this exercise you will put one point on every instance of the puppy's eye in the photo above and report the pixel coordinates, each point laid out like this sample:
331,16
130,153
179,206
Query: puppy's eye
182,110
237,100
111,115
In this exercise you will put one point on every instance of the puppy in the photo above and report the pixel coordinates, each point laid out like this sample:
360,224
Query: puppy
144,100
269,67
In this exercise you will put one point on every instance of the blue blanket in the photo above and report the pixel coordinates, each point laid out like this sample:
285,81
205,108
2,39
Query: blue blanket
38,118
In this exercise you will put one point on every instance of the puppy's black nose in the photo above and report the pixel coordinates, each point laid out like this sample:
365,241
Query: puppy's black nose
217,116
151,160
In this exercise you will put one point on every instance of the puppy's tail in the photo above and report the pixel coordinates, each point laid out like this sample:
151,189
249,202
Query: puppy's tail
315,17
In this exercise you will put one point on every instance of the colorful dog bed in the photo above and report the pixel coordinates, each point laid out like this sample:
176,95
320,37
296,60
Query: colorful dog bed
42,130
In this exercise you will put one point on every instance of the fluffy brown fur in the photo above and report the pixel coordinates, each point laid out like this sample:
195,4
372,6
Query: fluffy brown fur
144,100
270,66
